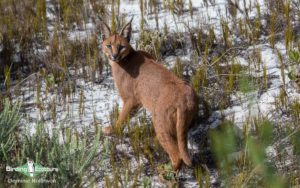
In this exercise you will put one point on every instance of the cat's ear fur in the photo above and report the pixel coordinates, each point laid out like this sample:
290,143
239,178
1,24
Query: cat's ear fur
126,31
105,30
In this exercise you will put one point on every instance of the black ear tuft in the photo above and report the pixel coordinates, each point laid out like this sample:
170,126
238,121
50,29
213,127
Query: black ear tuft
104,30
126,31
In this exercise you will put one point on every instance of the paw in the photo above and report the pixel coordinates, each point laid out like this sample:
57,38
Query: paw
108,130
167,176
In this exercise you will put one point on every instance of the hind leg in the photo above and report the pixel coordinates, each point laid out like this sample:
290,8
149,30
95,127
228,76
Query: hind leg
167,139
170,146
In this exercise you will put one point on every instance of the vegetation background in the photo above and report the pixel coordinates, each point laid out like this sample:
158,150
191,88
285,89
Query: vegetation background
242,58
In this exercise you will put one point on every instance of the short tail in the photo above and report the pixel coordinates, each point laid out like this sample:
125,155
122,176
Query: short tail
182,137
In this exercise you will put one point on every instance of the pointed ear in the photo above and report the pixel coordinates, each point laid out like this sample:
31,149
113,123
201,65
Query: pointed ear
126,31
104,30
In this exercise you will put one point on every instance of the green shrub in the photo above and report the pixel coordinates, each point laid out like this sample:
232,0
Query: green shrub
64,148
242,160
9,121
69,151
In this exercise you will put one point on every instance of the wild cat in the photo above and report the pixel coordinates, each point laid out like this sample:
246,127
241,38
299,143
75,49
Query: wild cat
141,81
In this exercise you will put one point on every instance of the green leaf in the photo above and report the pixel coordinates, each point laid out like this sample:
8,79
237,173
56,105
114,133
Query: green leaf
294,56
292,75
255,151
266,133
246,84
296,143
224,143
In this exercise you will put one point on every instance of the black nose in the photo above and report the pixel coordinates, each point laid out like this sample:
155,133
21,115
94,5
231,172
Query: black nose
114,56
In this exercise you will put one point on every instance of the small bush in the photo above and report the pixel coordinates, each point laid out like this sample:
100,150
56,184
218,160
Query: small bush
71,152
9,127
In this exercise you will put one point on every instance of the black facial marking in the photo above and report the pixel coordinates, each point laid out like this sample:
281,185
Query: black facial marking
120,47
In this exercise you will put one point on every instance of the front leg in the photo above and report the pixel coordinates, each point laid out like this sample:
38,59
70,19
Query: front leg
128,105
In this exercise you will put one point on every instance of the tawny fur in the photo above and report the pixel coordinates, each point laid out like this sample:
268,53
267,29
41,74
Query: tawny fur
141,81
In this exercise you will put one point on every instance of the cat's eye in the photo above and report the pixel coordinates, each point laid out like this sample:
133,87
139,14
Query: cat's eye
108,46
